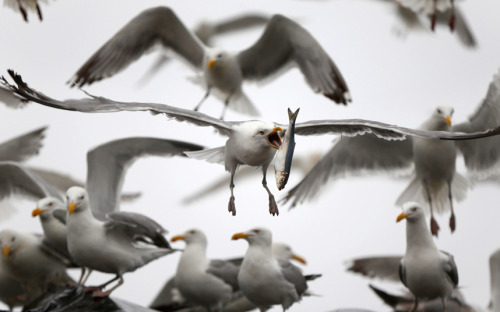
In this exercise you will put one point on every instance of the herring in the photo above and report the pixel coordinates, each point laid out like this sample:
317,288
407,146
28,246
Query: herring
283,162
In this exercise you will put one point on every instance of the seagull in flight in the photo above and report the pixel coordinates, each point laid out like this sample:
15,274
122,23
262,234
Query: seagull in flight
284,43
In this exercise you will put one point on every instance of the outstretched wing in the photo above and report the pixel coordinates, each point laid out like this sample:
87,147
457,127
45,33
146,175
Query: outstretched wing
22,147
285,41
153,26
386,268
352,155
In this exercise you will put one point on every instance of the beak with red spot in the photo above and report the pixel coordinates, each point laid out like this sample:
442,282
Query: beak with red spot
37,212
274,138
240,235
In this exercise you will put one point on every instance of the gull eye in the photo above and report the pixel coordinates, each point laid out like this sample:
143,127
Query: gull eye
13,238
413,209
257,231
219,55
439,111
192,232
80,198
50,204
261,132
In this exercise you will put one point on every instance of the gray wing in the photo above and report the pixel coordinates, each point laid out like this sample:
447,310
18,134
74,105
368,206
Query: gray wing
152,26
283,42
451,269
205,31
22,147
226,271
480,155
293,275
352,155
10,99
95,104
107,165
165,296
462,29
386,268
402,272
353,127
16,179
60,215
137,226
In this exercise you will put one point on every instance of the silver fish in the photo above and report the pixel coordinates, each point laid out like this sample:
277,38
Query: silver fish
283,160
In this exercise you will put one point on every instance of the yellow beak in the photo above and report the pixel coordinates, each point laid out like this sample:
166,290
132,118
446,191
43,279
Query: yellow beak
6,251
37,212
401,217
72,207
176,238
274,132
239,235
299,259
211,64
447,119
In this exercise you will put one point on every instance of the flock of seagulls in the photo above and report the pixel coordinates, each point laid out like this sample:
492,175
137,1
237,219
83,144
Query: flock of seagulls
84,226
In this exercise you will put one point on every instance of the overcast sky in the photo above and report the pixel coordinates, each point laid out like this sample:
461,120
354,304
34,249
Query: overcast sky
392,79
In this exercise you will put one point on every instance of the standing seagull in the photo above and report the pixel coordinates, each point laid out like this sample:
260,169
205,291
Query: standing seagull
427,272
253,142
264,280
435,181
201,281
283,43
123,243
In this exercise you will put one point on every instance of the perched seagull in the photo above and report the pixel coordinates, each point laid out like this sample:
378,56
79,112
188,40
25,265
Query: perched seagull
169,295
208,283
24,6
27,260
251,143
412,20
207,30
22,147
436,182
264,280
123,243
283,43
425,270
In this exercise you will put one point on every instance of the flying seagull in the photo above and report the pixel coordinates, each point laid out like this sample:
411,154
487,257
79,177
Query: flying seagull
436,182
432,8
283,43
253,142
425,270
24,6
264,280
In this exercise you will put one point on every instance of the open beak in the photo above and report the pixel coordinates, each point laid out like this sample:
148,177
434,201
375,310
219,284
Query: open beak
447,119
176,238
6,251
239,235
72,207
274,138
211,63
401,217
37,212
299,259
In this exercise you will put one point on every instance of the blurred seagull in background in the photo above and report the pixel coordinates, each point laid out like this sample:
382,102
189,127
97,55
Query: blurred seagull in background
253,142
426,271
431,8
24,6
436,182
283,43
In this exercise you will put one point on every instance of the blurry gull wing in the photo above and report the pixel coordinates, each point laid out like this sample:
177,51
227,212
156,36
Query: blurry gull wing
482,154
352,155
22,147
103,105
62,182
60,215
293,275
107,165
495,280
16,179
205,31
462,29
23,5
10,99
285,41
226,271
349,127
386,268
152,26
137,227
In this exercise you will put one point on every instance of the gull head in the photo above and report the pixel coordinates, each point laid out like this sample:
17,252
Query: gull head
216,58
9,242
411,211
260,134
193,236
47,204
257,236
76,199
443,114
285,252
